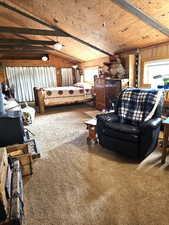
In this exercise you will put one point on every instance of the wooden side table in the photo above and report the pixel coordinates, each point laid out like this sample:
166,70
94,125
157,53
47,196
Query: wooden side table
91,126
165,140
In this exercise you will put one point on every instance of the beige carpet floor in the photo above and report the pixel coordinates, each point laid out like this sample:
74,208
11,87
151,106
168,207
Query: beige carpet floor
79,184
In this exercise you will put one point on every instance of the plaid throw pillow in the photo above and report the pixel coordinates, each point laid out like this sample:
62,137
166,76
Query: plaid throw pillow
136,104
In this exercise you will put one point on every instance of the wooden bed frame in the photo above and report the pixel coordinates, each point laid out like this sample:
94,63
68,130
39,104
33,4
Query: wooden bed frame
40,105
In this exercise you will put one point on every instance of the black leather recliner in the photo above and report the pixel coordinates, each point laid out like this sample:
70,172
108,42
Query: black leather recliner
136,141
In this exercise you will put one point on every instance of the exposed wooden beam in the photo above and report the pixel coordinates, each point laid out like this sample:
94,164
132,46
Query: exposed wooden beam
22,41
52,27
143,16
24,57
58,53
23,52
19,30
21,36
16,46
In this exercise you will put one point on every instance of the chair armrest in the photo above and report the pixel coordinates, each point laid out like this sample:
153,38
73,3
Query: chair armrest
149,135
108,117
151,124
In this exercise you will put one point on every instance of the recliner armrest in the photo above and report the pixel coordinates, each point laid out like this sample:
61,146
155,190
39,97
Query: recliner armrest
108,117
151,124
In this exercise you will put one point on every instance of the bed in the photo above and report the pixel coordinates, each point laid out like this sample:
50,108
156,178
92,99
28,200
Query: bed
45,97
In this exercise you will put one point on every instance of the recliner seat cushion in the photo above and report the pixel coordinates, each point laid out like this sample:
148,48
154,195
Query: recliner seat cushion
129,149
121,131
123,127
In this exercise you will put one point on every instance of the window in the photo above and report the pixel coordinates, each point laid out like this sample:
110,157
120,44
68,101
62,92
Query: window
89,74
155,72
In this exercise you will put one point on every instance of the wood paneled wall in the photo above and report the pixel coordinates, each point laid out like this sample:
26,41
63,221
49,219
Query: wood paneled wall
2,74
55,61
157,52
93,63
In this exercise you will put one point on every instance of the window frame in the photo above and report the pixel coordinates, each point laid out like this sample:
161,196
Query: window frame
90,68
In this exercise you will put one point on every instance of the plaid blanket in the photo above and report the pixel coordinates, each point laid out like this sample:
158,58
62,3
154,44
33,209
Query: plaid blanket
135,104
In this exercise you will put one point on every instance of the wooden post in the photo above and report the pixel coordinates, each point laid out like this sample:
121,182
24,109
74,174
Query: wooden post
35,95
132,71
165,142
39,98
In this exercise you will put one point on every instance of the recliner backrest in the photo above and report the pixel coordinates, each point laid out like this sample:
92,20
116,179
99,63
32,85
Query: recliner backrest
135,104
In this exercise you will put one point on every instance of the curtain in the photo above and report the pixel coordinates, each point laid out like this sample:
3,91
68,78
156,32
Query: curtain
23,79
77,75
67,76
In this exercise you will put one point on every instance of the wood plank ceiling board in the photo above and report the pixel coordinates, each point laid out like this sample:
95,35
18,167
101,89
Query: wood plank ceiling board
83,31
10,36
128,6
101,23
158,9
85,53
53,52
56,29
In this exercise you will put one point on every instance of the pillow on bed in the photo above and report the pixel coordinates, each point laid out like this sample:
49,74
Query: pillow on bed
83,85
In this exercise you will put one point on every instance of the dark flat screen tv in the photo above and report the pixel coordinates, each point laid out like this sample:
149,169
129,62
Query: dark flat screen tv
11,126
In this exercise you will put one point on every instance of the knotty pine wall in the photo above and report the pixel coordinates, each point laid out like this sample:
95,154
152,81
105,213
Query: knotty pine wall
93,63
155,52
55,61
2,74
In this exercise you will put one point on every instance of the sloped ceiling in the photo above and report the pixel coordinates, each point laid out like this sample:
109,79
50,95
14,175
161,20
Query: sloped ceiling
102,23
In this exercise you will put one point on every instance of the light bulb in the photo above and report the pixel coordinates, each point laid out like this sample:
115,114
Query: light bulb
44,58
57,46
75,66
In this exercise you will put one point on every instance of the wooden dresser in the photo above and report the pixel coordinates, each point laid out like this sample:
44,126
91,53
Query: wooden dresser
105,89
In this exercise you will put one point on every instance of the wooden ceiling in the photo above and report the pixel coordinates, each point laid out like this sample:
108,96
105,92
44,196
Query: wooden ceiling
102,23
